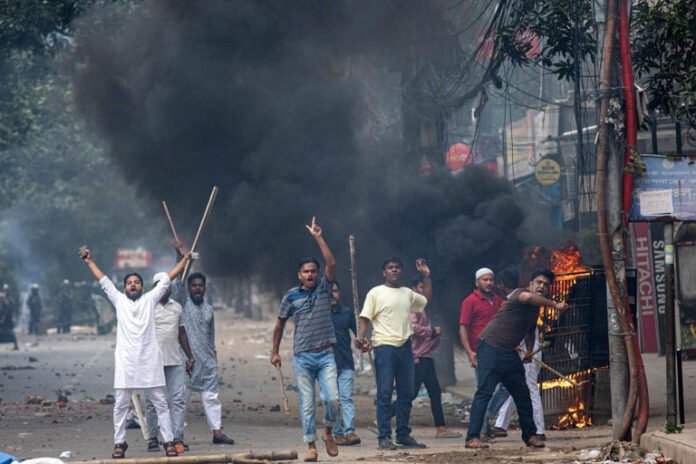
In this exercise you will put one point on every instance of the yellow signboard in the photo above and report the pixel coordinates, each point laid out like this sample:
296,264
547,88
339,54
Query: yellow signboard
547,171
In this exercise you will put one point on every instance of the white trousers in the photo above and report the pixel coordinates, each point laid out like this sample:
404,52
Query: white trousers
531,372
157,396
212,407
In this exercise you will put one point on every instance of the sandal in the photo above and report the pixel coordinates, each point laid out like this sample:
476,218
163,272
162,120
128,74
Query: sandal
119,450
153,445
170,449
475,443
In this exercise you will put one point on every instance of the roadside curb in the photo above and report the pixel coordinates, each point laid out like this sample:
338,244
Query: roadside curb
681,447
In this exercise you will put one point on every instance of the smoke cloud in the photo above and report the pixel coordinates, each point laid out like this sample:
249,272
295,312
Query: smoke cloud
267,99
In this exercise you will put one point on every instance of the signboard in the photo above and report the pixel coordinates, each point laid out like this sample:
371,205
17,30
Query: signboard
645,291
667,190
547,171
138,258
458,156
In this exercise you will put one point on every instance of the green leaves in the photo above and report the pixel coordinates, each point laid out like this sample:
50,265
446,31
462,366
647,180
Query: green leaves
556,34
664,53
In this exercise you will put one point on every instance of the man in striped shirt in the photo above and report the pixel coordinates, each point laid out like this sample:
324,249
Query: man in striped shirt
309,304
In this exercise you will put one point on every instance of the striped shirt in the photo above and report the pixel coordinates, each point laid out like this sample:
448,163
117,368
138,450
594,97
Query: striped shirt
311,313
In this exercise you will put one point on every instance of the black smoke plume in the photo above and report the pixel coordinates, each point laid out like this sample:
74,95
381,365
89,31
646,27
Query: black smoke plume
264,99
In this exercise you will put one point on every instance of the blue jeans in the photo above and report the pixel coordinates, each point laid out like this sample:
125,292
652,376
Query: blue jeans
309,368
499,398
345,420
500,367
394,364
175,377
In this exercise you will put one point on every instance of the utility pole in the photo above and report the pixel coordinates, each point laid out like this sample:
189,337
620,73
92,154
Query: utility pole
670,328
618,361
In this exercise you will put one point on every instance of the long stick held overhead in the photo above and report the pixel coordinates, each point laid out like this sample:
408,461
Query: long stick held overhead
169,219
204,220
356,297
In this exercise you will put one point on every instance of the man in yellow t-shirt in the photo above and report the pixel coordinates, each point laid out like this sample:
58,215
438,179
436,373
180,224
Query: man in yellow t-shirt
388,307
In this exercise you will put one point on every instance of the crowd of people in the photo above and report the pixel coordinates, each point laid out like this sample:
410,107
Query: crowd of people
165,345
498,331
14,319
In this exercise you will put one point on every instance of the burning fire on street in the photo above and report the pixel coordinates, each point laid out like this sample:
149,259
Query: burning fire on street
570,394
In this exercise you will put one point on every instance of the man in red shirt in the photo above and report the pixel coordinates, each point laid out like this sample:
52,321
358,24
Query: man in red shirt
477,311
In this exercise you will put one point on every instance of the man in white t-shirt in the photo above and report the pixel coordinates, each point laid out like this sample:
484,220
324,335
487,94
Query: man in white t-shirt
138,358
172,338
388,307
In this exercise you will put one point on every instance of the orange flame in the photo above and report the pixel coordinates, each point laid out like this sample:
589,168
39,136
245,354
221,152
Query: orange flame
567,260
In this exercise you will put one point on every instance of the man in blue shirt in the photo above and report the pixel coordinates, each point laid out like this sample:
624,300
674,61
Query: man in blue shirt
309,304
344,322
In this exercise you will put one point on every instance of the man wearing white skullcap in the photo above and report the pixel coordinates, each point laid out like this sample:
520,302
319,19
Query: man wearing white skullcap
477,311
171,334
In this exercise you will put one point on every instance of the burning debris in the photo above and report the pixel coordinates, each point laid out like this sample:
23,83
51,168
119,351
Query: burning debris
578,344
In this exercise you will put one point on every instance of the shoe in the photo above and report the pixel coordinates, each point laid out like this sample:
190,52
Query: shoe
408,442
497,432
340,439
311,455
222,439
386,444
475,443
119,450
542,436
180,447
536,442
331,445
153,445
350,440
170,450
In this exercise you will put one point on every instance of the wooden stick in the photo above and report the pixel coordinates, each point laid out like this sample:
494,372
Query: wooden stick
204,220
137,405
281,379
239,458
356,298
561,375
169,218
354,282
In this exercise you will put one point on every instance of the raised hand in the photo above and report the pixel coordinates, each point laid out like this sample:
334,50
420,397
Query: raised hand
422,267
179,247
85,253
314,229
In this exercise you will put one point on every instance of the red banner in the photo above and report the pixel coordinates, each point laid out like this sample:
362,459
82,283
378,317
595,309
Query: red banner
645,283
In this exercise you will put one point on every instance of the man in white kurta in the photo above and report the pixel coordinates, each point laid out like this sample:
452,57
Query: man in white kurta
138,358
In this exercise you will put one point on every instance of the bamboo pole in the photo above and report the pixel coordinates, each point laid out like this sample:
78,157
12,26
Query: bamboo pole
204,220
356,298
239,458
137,405
169,219
281,379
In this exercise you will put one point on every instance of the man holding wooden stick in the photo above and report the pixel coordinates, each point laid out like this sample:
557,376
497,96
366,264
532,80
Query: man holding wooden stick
499,362
199,321
309,304
138,359
388,307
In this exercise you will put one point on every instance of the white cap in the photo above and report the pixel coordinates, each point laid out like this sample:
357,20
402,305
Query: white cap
34,285
159,276
66,282
482,272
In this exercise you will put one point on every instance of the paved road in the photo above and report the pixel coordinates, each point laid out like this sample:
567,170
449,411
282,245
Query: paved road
83,365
